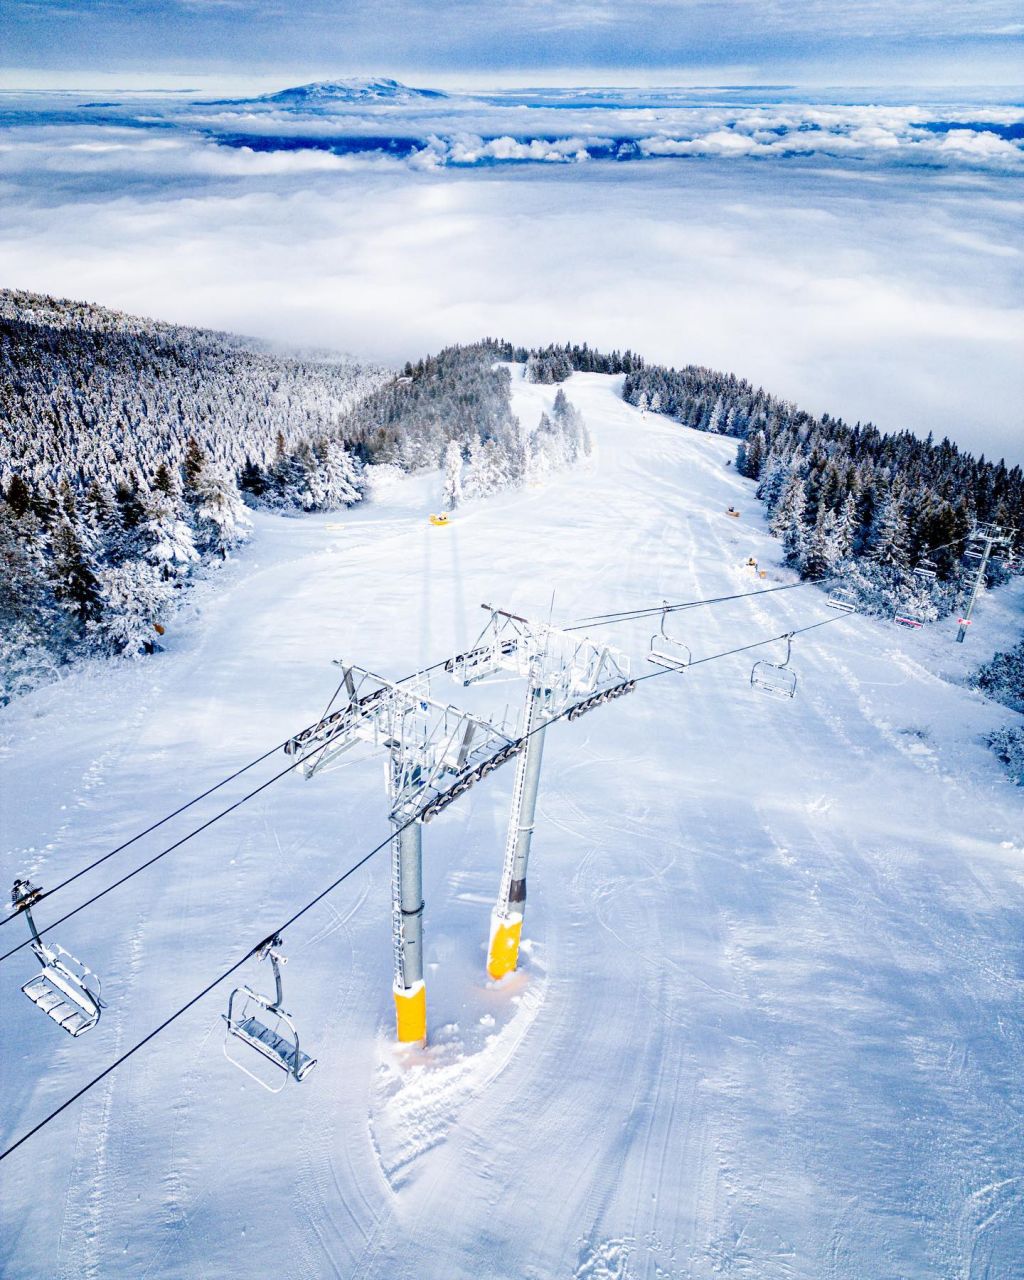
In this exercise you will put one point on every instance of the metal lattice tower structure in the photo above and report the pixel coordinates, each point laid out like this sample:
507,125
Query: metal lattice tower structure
984,541
565,675
436,752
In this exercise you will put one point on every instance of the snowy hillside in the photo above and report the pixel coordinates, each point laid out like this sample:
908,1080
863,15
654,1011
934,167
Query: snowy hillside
768,1019
76,378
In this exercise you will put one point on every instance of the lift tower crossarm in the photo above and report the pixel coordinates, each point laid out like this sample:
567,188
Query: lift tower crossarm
575,673
437,750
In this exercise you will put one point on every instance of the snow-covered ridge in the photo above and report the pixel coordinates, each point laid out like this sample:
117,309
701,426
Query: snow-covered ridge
350,89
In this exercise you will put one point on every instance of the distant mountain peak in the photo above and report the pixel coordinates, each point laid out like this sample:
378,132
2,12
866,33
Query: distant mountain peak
351,89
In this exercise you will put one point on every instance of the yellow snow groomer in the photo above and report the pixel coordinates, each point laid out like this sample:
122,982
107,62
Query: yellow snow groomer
441,519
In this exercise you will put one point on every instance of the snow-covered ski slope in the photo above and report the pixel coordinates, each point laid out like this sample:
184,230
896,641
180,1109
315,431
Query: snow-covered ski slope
768,1021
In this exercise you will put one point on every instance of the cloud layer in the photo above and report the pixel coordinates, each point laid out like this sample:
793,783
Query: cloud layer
845,281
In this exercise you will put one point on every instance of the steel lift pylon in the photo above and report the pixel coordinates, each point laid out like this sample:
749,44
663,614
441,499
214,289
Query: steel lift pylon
985,542
566,675
435,753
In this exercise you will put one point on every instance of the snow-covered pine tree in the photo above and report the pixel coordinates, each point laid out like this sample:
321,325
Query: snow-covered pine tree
136,596
889,542
192,468
167,538
73,572
220,512
486,472
331,480
451,494
30,618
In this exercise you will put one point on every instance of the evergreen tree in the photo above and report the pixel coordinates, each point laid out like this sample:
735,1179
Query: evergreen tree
192,468
73,574
167,538
330,477
220,512
889,542
452,493
135,598
19,498
162,481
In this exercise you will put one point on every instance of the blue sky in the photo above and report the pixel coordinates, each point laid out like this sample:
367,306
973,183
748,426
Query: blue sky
809,41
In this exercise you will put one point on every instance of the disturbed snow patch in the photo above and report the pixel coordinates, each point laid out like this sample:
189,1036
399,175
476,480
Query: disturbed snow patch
418,1094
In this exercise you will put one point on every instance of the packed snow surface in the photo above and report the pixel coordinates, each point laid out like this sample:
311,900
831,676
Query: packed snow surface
768,1017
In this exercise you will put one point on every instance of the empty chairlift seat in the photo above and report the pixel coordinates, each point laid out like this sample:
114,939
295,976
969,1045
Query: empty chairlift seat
775,678
842,600
260,1022
275,1038
666,650
66,990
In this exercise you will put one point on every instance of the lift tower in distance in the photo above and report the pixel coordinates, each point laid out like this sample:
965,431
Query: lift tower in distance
985,541
436,753
565,675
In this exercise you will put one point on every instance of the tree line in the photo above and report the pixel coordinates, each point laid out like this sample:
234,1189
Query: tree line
849,502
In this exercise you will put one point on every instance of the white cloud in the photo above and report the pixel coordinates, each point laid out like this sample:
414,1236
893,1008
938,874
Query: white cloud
869,290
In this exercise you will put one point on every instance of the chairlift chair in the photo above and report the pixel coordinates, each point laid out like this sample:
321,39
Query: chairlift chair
775,677
927,569
843,600
905,619
66,990
666,651
274,1037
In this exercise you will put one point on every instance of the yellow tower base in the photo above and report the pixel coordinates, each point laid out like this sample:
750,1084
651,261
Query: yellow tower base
411,1013
503,949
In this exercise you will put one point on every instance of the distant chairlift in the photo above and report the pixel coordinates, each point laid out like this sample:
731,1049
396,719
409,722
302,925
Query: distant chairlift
843,600
666,651
66,990
906,618
927,569
775,677
275,1037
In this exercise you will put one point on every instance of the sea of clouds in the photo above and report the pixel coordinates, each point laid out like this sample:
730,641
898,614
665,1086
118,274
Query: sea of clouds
858,257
